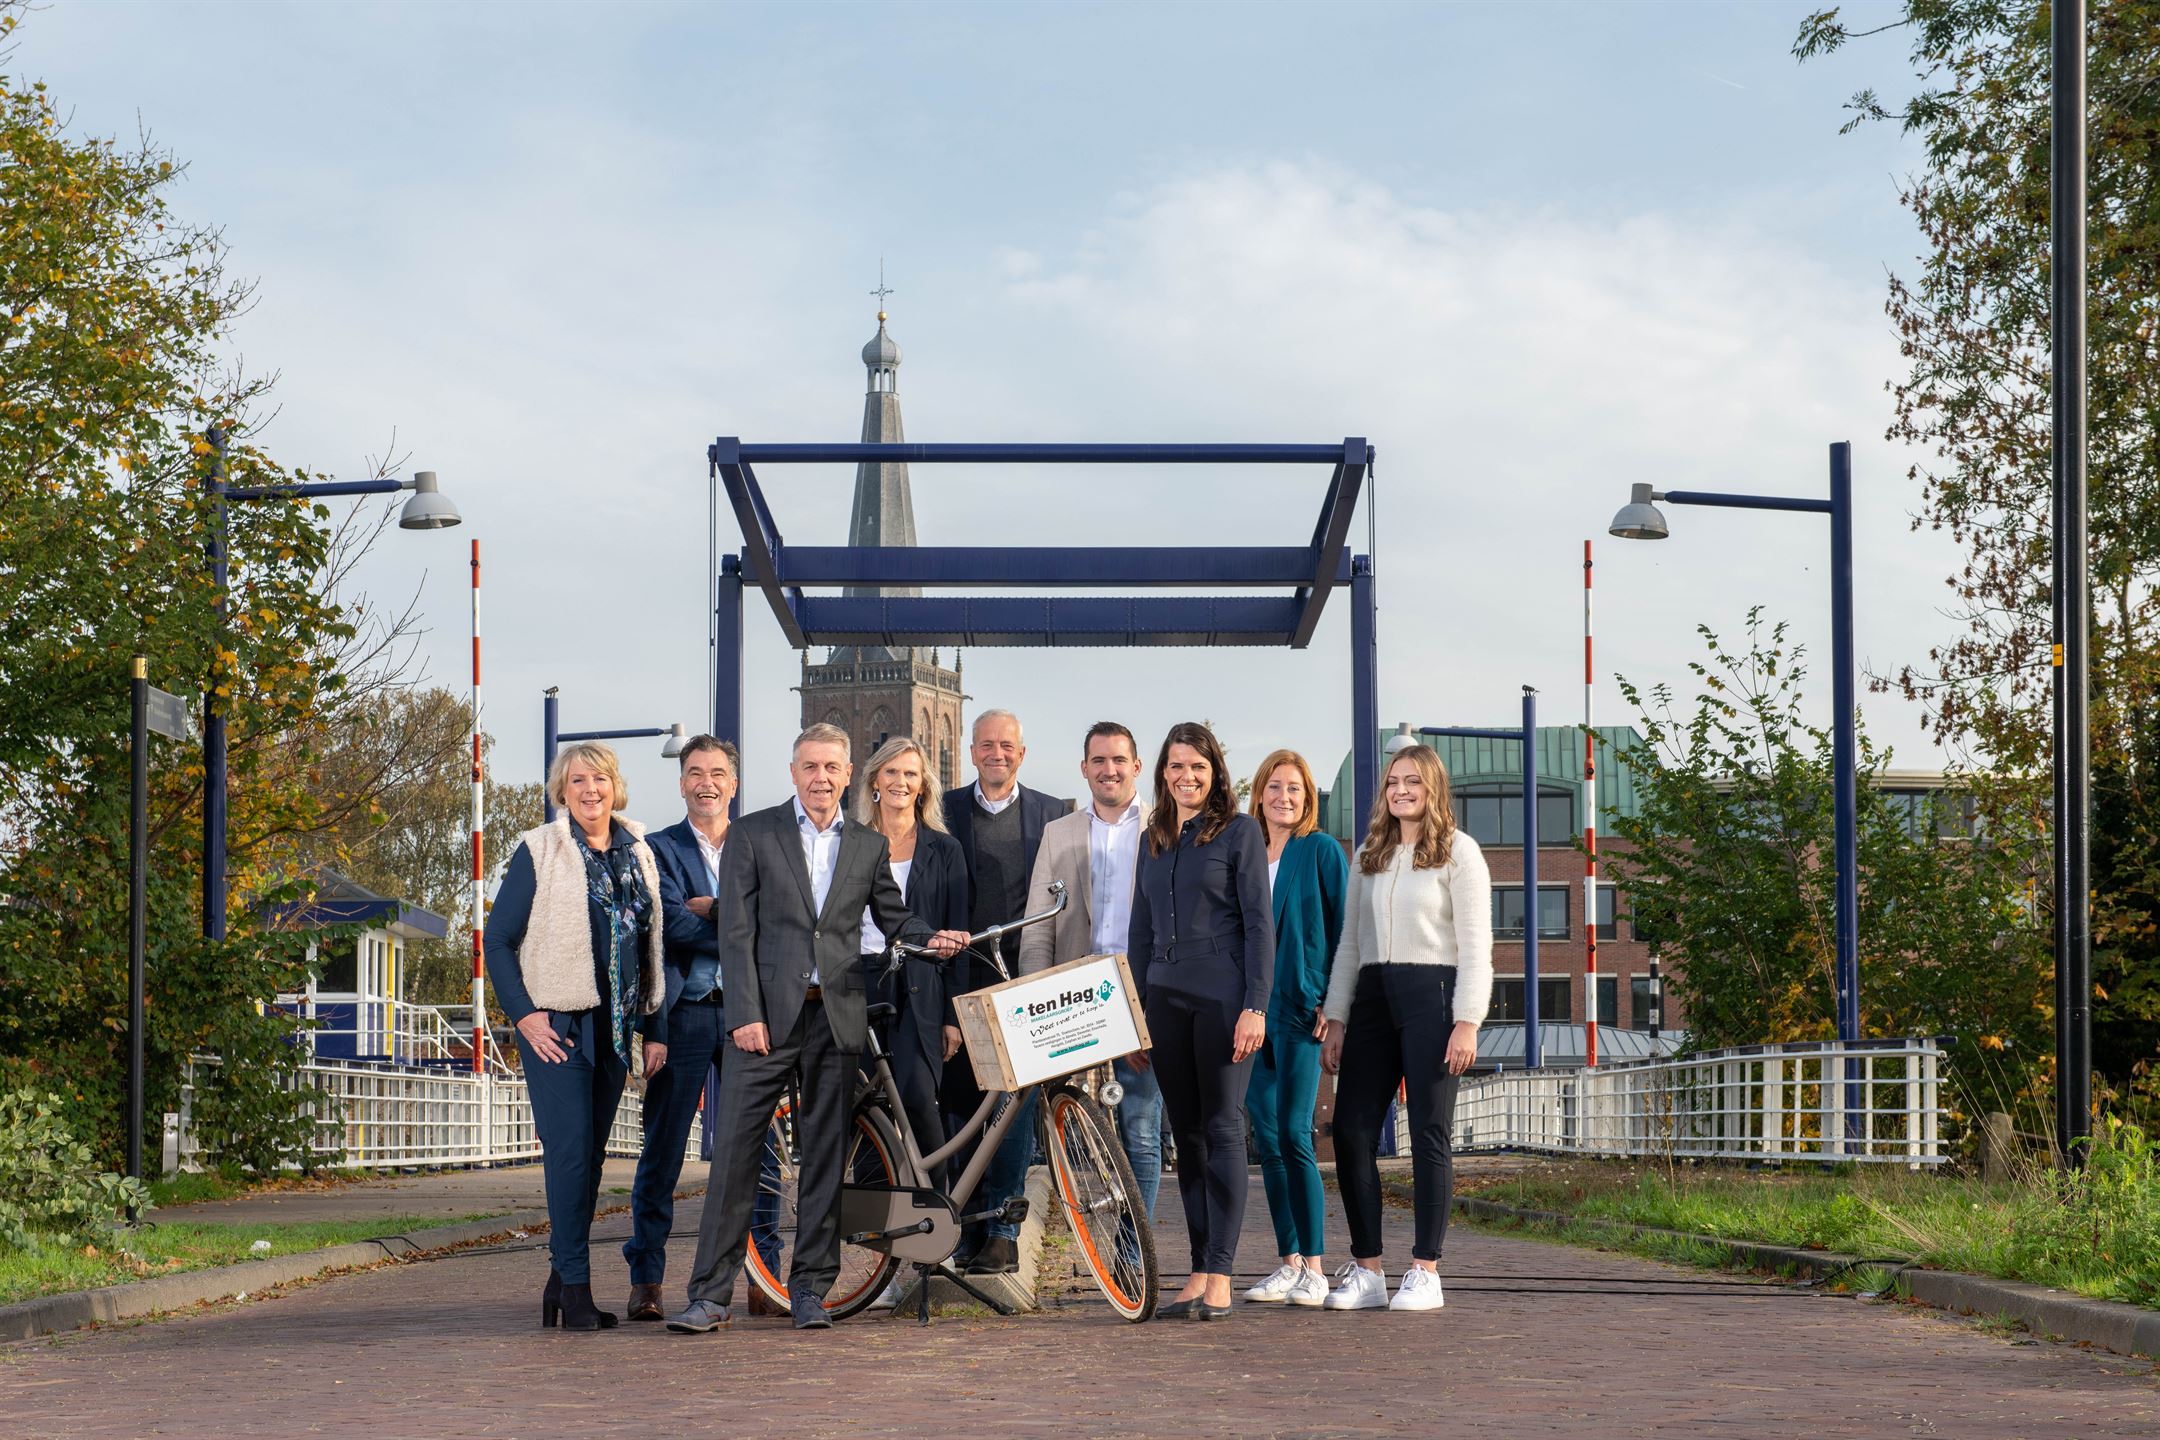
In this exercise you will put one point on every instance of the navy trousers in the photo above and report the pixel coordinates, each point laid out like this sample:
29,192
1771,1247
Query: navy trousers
697,1045
1192,1010
573,1103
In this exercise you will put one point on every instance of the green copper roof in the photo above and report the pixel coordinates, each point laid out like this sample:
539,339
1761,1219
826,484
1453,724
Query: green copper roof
1468,762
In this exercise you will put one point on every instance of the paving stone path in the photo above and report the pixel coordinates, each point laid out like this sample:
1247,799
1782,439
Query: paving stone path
1536,1340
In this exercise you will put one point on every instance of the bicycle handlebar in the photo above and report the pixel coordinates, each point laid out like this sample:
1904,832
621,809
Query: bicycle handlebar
897,949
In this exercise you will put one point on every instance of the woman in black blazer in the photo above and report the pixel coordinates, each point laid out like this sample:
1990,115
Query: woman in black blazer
931,870
1202,950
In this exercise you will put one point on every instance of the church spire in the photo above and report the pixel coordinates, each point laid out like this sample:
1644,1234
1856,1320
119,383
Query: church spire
884,508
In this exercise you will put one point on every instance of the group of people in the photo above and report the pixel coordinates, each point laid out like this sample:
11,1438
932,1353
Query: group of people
1261,953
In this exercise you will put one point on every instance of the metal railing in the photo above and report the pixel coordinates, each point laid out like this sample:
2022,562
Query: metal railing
1876,1101
370,1116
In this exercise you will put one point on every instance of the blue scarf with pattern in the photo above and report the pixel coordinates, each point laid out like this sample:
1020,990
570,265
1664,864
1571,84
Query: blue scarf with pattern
617,886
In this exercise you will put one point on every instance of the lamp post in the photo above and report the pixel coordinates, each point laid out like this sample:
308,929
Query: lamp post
428,509
1640,519
552,738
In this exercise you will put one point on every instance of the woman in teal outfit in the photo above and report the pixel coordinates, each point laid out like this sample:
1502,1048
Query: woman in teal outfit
1309,878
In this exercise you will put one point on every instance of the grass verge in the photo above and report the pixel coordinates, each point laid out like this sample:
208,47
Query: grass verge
166,1249
2096,1234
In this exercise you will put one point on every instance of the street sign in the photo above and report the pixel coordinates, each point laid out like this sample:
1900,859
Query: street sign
168,714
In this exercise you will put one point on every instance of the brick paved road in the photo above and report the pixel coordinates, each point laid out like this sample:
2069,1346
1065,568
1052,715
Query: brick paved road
1537,1340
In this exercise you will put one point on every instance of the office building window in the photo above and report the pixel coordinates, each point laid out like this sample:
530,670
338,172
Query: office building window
1608,1000
1492,815
1555,1000
1507,912
1639,1003
1608,927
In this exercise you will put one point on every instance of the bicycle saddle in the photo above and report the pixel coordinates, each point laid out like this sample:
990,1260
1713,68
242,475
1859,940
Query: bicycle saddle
881,1012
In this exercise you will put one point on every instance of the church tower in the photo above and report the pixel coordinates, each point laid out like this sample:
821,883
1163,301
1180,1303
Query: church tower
875,692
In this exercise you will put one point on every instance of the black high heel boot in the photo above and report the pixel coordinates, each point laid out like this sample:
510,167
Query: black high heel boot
579,1312
551,1301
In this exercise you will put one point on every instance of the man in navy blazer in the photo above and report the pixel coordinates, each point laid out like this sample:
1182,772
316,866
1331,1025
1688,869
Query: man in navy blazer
999,824
687,855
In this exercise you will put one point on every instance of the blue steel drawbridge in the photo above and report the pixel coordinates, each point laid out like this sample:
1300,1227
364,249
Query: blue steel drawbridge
1301,577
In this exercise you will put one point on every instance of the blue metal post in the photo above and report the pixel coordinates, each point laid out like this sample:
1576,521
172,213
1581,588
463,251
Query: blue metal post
549,722
214,782
1844,778
1364,692
1532,1043
1533,1050
728,662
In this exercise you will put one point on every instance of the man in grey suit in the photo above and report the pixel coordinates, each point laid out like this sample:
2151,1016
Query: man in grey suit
794,884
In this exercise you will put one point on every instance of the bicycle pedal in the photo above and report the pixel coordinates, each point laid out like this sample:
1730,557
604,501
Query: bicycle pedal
1014,1210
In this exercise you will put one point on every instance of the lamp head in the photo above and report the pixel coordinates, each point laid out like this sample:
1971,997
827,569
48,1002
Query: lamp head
672,746
429,508
1639,519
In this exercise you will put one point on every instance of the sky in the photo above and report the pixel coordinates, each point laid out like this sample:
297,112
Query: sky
1534,253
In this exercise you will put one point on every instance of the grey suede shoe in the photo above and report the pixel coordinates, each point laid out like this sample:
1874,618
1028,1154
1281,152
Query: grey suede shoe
809,1312
700,1317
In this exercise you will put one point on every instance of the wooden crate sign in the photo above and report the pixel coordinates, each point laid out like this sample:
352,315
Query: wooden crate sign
1054,1022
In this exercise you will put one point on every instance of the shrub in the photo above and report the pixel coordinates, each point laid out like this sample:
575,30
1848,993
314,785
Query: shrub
50,1185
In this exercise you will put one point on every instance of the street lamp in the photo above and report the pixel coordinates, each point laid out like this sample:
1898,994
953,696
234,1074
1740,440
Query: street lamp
1640,519
429,509
676,737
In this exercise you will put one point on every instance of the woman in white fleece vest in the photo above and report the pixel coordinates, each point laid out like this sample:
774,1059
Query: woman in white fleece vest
573,950
1409,989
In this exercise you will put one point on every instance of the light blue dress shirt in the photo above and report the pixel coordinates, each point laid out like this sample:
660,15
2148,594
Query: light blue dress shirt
821,852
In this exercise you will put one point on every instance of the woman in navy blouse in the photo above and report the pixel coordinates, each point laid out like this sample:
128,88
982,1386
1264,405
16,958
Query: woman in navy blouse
1202,949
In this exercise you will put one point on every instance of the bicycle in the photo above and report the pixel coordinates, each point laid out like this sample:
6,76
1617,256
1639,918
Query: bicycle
890,1214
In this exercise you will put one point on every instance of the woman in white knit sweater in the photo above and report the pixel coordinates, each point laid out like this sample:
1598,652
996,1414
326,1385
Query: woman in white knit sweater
1409,990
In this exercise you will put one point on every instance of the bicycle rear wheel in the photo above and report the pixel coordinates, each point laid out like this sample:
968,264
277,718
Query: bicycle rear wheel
873,1158
1101,1202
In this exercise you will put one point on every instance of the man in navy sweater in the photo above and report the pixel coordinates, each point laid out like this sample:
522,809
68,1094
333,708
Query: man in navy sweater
999,823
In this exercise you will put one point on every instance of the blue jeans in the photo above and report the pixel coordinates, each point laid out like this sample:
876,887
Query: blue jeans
1285,1087
1139,1118
1007,1175
573,1106
697,1044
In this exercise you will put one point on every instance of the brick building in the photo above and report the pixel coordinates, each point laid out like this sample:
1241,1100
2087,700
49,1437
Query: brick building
1485,777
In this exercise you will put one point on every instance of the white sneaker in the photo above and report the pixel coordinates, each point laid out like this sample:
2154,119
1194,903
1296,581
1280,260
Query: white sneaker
1276,1288
1420,1290
1310,1289
1357,1288
889,1296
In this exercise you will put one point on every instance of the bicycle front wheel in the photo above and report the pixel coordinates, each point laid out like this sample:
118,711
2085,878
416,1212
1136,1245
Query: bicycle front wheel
873,1158
1101,1201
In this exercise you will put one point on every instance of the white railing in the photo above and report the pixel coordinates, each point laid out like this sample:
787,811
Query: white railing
372,1116
1877,1101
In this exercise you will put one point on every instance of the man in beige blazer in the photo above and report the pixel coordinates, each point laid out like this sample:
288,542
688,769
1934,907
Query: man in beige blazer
1096,850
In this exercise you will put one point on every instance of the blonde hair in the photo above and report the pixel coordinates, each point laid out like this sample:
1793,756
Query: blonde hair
929,810
823,734
1309,818
600,757
1436,827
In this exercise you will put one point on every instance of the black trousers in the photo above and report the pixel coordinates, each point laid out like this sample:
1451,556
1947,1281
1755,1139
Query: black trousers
918,1069
751,1086
1397,1035
1192,1010
573,1106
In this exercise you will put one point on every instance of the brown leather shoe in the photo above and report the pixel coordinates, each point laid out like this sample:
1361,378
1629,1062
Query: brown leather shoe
759,1305
645,1303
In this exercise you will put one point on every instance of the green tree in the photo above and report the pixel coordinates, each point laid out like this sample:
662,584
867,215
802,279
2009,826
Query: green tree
117,312
408,751
1729,866
1973,322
